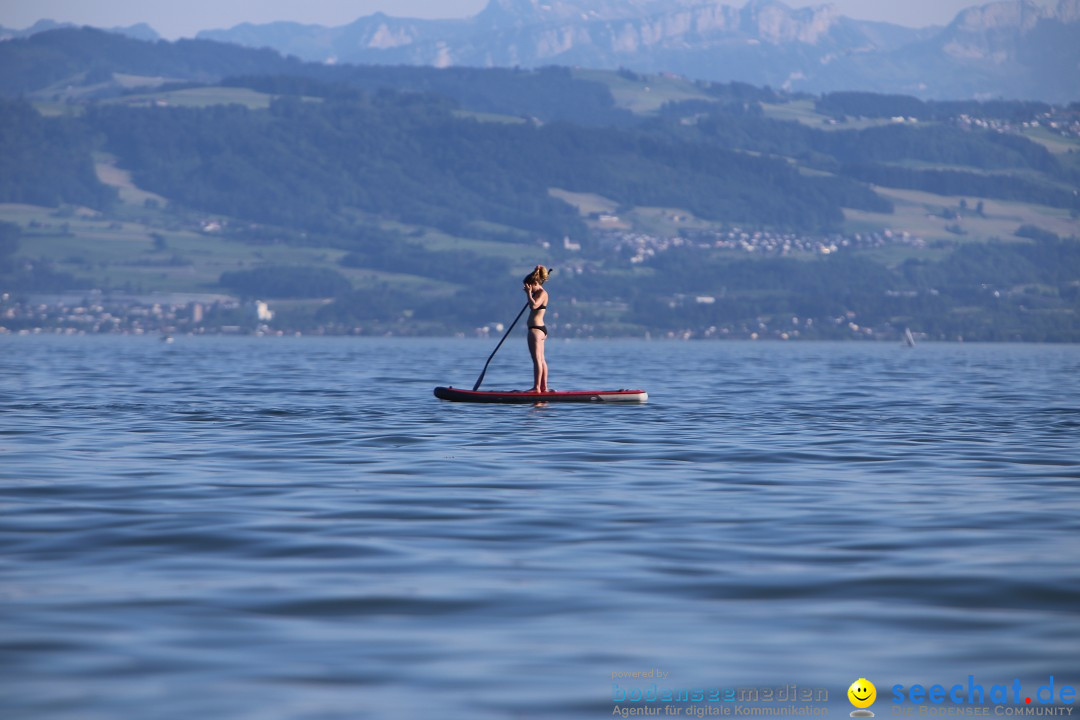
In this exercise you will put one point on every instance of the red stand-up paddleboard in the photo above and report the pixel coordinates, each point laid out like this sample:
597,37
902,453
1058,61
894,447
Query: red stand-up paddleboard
476,395
510,396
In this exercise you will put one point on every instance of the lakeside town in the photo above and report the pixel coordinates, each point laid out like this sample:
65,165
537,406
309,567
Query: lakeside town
105,312
639,247
96,313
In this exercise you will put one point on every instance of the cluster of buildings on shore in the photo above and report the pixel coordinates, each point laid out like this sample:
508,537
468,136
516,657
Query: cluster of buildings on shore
1065,125
96,313
130,316
127,315
640,247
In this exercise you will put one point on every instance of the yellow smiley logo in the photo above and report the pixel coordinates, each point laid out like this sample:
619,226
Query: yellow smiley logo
862,693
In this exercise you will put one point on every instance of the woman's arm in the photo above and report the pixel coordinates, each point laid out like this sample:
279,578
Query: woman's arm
535,301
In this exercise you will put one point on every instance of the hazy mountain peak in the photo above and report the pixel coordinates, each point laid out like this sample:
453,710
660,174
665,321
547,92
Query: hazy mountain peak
1008,47
139,31
776,22
758,5
577,10
1013,14
998,32
39,27
1022,14
1068,11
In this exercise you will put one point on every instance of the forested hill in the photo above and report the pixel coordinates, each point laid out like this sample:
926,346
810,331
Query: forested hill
410,158
409,199
81,65
86,57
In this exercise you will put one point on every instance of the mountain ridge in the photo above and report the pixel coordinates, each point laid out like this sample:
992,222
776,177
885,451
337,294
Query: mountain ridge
138,31
1007,48
985,51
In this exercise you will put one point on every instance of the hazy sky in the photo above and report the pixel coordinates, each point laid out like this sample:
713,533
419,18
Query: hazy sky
183,18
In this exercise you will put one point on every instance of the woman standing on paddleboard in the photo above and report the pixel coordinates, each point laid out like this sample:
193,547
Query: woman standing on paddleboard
538,300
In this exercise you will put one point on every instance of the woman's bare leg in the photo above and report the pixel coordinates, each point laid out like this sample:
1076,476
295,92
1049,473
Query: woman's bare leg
542,378
536,350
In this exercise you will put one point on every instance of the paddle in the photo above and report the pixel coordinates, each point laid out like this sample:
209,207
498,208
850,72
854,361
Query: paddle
484,371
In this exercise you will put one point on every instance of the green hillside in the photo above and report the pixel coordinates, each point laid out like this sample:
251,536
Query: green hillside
669,206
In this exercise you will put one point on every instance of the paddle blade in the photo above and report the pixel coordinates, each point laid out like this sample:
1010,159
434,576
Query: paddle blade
479,379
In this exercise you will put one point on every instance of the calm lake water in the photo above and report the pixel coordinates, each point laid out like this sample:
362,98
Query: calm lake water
296,528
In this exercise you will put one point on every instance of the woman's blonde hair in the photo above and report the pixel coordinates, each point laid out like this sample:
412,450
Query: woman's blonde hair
538,276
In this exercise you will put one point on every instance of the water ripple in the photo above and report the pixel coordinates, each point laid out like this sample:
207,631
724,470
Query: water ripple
295,528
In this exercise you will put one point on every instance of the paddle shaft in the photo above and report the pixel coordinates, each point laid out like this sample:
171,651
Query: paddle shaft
484,371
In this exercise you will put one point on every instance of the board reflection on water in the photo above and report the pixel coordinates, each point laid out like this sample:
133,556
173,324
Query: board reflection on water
241,527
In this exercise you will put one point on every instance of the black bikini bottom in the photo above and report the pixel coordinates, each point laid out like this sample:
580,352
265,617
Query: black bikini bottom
541,328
